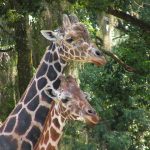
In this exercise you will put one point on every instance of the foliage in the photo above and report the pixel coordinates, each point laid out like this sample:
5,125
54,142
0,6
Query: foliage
123,101
6,108
8,87
120,98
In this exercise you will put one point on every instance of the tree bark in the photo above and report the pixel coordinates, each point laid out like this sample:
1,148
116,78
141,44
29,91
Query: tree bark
134,21
24,65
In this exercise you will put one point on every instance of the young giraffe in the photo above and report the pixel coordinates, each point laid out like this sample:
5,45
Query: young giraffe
72,106
23,126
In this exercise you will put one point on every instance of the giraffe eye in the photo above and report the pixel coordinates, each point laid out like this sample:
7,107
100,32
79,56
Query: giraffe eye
69,40
65,100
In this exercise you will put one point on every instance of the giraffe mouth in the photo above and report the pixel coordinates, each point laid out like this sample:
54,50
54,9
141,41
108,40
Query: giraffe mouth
99,61
92,120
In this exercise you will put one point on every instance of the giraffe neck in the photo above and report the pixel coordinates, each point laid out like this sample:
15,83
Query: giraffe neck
24,125
53,129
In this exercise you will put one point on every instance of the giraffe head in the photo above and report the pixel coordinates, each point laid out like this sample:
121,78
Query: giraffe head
74,42
74,104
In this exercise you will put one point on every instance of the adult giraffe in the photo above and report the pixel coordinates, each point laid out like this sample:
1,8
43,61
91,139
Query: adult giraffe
23,126
72,105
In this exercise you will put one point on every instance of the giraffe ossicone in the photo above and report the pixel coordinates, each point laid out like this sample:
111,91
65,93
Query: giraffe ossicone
72,105
22,128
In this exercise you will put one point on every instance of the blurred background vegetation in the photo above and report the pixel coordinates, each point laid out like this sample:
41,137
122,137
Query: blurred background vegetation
120,91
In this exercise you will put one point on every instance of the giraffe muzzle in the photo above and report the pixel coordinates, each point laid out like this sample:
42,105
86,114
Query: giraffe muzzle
99,61
91,117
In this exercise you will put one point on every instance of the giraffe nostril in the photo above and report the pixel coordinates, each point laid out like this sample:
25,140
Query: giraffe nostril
90,111
98,53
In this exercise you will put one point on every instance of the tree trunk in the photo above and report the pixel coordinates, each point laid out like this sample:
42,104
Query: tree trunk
24,65
105,24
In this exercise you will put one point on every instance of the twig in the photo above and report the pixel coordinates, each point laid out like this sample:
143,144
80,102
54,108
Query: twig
116,58
119,37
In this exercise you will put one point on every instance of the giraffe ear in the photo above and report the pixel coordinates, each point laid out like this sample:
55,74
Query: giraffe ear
73,18
66,21
49,35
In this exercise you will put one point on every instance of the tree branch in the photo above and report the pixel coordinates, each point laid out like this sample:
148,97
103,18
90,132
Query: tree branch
116,58
134,21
